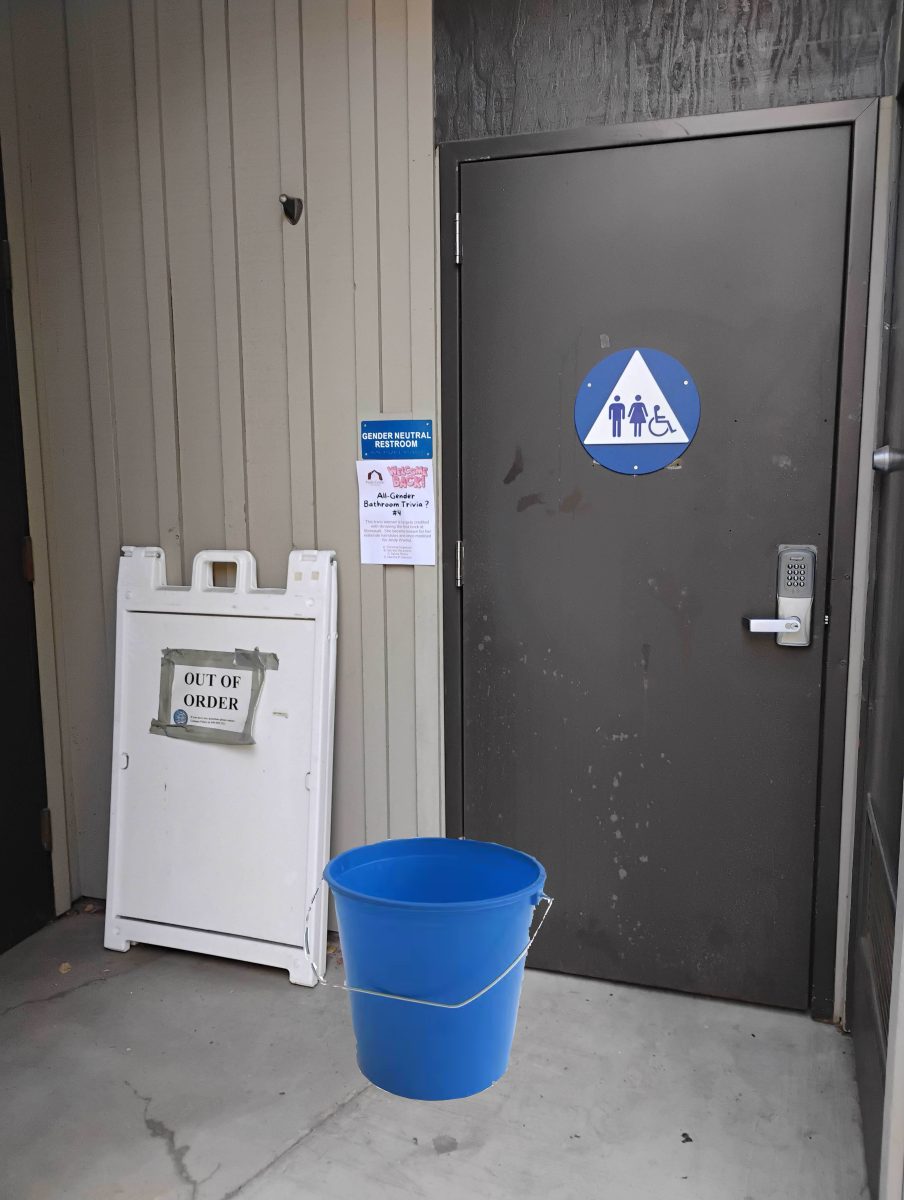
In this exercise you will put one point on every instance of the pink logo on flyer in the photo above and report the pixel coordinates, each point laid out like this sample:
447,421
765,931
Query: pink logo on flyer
408,477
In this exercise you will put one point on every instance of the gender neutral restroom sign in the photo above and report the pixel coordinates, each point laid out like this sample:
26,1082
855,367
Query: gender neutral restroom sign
397,437
637,410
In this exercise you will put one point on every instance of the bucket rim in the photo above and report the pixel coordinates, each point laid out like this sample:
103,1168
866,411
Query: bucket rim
534,889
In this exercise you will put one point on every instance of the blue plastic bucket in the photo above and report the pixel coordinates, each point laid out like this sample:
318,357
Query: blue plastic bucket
434,919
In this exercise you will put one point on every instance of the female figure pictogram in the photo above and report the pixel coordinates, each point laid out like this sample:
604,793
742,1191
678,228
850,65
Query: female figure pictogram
637,415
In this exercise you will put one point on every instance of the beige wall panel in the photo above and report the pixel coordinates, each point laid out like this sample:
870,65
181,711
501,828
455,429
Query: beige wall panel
95,307
189,239
424,362
157,288
391,93
330,265
122,249
295,273
259,241
225,273
369,396
400,701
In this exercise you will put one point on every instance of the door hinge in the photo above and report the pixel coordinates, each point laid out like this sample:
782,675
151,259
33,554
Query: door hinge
459,562
46,830
6,266
28,560
458,237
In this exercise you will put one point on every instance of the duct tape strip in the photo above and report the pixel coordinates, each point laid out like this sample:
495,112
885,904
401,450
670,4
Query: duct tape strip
217,692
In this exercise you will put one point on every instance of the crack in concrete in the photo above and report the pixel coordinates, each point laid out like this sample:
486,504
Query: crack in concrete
318,1124
53,995
77,988
176,1154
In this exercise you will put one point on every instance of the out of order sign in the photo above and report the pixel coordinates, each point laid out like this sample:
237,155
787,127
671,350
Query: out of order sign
210,695
225,694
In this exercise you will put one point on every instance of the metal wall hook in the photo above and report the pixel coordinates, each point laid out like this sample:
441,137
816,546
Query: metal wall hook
292,206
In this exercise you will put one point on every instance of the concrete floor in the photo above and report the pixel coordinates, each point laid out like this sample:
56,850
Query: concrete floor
154,1075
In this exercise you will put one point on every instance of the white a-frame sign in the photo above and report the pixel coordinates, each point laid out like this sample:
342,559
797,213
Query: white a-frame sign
222,758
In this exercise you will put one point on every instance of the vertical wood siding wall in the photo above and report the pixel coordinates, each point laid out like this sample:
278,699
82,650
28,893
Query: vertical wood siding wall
200,365
530,66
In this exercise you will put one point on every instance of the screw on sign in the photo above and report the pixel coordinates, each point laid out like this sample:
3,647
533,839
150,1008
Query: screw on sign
408,477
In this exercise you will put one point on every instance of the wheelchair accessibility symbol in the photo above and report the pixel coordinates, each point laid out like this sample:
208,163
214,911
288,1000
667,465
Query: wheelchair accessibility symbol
659,425
637,411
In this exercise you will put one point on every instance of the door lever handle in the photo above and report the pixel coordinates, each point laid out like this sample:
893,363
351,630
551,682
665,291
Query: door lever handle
887,459
773,624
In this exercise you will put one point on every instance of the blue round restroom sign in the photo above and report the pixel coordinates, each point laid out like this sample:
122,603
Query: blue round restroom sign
637,410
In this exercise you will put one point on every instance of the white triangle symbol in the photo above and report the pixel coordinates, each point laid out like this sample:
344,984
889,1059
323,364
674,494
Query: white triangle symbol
636,412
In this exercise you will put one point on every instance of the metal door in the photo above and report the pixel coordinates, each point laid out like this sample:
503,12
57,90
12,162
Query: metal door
618,721
26,897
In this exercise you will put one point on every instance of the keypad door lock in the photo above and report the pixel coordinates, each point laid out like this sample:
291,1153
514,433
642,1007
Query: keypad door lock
794,590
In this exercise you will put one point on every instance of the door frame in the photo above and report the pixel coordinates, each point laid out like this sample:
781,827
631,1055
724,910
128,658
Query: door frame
13,183
862,117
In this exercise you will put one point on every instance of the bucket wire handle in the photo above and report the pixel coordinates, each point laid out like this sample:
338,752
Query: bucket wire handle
347,987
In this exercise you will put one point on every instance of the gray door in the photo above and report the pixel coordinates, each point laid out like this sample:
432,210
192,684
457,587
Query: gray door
618,720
